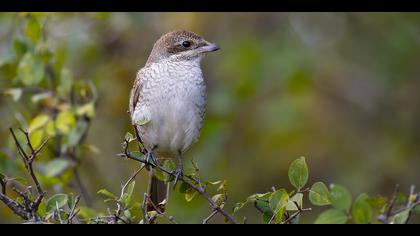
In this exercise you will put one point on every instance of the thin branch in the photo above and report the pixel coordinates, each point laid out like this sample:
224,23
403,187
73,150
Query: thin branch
392,202
133,176
207,219
81,188
143,209
406,208
199,189
16,207
297,213
28,159
3,186
170,218
28,142
410,200
59,213
73,211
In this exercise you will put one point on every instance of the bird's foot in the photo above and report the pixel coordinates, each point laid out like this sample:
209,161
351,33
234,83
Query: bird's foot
178,175
150,158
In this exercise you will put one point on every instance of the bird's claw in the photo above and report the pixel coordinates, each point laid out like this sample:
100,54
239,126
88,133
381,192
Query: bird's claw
178,175
150,158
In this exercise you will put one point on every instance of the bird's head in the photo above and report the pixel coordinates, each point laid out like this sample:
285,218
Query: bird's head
180,45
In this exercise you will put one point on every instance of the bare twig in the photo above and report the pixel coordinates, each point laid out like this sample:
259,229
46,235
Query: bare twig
73,211
59,213
303,190
16,207
3,184
406,208
144,209
81,188
297,213
170,218
28,211
200,189
28,159
410,200
133,176
120,205
391,203
207,219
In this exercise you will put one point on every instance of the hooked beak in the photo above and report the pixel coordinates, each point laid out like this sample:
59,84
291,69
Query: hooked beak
210,47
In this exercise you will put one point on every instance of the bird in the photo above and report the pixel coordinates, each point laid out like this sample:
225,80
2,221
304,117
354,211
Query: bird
167,103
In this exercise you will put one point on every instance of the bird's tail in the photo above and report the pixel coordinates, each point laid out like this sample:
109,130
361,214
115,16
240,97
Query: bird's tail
157,192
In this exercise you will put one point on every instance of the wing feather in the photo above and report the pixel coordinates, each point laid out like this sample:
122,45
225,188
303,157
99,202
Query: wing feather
135,94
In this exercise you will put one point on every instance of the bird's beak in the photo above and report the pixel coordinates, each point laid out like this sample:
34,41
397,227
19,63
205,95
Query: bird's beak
210,47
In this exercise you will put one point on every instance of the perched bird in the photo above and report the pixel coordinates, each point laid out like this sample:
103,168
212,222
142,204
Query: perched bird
168,101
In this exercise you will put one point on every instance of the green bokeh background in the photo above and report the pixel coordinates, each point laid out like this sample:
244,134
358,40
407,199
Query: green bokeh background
341,89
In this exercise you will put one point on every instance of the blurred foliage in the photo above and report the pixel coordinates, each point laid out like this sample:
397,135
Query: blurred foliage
338,88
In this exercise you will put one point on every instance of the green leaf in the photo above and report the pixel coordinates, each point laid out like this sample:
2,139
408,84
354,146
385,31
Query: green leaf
169,165
77,134
402,217
298,198
332,216
45,54
58,199
190,194
87,213
219,199
319,194
15,93
159,175
183,188
267,217
263,205
70,202
40,96
238,206
340,197
142,122
128,193
20,180
20,47
107,193
33,29
127,214
401,198
129,137
36,138
278,199
30,70
66,82
361,211
38,122
260,199
214,183
42,208
417,209
298,173
138,155
87,110
222,187
378,203
65,122
56,167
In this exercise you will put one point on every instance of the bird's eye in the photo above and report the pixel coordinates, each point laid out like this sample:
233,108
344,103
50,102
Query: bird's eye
186,44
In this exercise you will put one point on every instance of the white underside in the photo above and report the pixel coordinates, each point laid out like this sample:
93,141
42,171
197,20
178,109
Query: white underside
171,105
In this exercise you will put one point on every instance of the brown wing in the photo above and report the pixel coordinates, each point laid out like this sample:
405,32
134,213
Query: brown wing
135,94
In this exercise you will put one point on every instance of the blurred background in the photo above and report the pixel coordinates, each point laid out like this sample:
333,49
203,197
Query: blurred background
341,89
